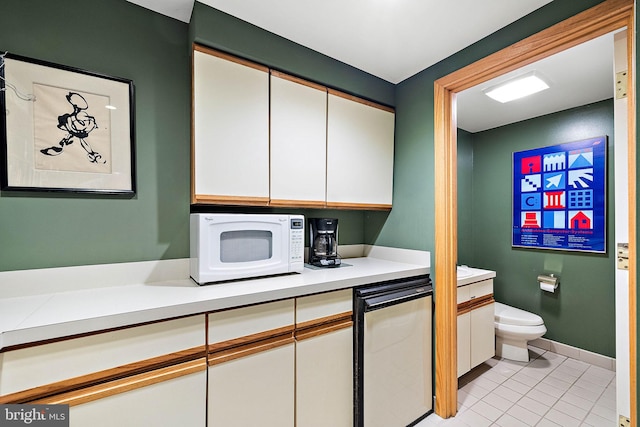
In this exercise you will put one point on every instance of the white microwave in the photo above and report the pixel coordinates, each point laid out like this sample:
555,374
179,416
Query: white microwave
239,246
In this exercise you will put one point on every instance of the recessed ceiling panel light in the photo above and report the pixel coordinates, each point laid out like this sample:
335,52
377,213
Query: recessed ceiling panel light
517,88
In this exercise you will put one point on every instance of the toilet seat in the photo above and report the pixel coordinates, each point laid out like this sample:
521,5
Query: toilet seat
507,315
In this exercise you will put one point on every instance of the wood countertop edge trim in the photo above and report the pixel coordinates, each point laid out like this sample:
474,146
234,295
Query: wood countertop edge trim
112,374
338,317
467,306
100,391
253,347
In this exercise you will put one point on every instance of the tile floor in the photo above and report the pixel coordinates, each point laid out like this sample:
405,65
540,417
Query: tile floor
549,391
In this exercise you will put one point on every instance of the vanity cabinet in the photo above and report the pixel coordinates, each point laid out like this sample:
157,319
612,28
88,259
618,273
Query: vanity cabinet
476,330
230,130
152,374
324,360
360,149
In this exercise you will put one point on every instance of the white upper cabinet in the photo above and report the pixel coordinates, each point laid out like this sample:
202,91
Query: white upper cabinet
280,140
359,153
230,129
298,142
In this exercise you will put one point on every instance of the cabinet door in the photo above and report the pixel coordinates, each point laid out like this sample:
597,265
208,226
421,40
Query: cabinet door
482,334
168,397
230,152
324,360
359,154
255,390
298,142
397,365
464,343
252,366
324,380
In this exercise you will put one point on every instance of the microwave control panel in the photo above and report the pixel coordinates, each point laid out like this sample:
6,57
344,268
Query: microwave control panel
297,239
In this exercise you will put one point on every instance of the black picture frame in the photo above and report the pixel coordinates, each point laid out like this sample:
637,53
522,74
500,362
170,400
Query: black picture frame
65,129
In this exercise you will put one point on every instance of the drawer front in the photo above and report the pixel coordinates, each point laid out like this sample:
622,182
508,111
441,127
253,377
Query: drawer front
463,294
480,289
323,305
241,322
44,364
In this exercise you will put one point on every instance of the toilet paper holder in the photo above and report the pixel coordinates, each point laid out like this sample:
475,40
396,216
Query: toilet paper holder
548,281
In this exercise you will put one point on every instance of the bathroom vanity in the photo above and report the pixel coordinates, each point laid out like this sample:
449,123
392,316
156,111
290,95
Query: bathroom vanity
476,333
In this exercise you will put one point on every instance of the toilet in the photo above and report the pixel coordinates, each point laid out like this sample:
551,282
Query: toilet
514,327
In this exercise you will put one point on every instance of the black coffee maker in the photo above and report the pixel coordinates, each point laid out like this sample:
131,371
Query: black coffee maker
323,242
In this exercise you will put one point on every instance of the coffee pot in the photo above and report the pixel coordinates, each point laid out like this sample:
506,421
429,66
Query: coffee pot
323,242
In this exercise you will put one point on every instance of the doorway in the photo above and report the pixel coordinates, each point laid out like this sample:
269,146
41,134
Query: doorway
606,17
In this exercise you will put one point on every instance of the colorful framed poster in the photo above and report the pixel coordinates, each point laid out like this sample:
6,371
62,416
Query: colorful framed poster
65,129
559,197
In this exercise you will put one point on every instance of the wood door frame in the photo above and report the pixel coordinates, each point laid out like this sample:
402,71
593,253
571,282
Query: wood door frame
608,16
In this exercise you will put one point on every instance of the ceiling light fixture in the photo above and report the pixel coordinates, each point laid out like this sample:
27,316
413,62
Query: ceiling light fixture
517,87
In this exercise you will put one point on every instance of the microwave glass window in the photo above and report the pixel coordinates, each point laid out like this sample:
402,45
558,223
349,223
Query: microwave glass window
246,246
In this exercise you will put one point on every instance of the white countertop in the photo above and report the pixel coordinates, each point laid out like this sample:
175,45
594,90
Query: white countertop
33,318
468,275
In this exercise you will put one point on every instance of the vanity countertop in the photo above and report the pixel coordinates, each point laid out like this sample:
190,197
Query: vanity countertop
468,275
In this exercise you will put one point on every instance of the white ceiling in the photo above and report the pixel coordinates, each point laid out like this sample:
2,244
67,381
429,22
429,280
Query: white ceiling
578,76
395,39
391,39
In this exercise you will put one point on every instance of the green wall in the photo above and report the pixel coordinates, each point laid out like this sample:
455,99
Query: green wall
466,244
582,312
411,222
117,38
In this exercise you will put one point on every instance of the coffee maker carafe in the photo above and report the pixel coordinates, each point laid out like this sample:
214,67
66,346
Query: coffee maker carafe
323,242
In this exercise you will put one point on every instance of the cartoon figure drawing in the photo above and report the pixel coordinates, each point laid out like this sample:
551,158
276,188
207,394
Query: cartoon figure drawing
78,124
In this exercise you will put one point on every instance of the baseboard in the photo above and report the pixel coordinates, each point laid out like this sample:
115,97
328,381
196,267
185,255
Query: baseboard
586,356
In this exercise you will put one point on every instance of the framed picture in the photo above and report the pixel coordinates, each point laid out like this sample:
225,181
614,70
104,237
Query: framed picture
65,129
559,197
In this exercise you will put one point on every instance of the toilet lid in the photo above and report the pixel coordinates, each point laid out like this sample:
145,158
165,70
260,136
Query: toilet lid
514,316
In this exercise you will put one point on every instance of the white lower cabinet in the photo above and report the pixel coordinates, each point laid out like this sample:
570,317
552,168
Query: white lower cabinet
51,365
282,364
324,360
255,390
152,374
324,380
178,401
476,330
251,356
277,364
